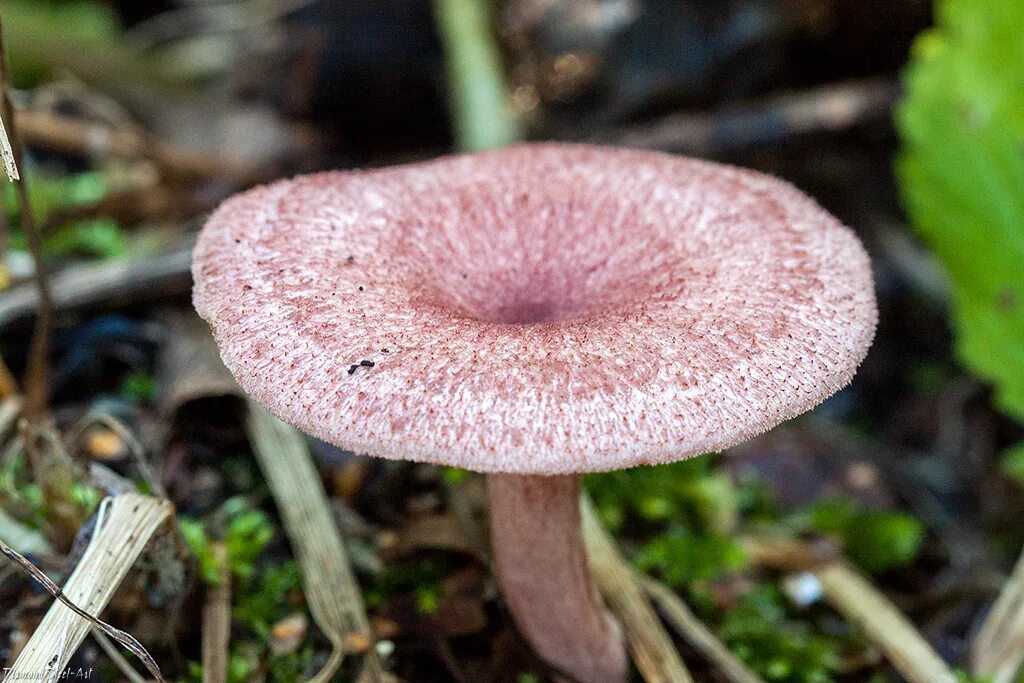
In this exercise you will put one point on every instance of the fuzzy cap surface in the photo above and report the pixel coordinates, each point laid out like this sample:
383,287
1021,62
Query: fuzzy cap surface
541,309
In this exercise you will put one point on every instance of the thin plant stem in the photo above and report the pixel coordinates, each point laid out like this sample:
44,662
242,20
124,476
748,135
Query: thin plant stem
476,79
37,372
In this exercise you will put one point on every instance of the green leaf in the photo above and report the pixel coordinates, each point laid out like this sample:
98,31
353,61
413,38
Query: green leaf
961,171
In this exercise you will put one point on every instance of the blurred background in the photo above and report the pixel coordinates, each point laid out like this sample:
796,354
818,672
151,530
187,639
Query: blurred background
134,118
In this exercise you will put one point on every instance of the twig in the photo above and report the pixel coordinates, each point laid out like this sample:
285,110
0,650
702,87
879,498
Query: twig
127,437
124,525
828,108
122,664
207,19
37,372
861,603
82,138
479,95
697,634
332,593
217,622
109,284
653,651
998,649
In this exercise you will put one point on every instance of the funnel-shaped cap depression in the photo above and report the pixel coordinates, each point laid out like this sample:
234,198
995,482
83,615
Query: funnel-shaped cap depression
542,309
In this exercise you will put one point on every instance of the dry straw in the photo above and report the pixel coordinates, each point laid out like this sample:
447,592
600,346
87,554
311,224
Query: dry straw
651,647
331,590
124,524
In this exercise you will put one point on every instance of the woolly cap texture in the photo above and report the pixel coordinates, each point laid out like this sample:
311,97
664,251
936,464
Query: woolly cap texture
542,309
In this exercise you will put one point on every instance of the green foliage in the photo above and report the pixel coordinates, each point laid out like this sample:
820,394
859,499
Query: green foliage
760,631
27,501
246,533
689,510
876,540
681,557
240,669
138,388
961,171
965,677
88,22
269,597
99,238
454,475
292,667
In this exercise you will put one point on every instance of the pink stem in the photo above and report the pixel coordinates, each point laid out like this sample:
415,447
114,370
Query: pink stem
541,564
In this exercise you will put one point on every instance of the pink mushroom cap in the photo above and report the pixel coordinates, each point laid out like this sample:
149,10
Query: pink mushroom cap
541,309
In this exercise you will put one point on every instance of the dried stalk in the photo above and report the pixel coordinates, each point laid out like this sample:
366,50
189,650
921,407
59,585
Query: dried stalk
108,284
652,649
124,525
217,622
699,636
127,437
998,650
332,593
86,139
828,108
861,603
37,373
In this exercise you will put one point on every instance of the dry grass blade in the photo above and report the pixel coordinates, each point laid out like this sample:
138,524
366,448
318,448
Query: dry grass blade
651,647
331,589
7,152
997,651
865,606
697,634
124,525
217,622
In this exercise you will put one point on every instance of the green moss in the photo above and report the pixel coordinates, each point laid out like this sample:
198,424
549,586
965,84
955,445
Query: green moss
761,631
875,540
272,595
245,534
685,513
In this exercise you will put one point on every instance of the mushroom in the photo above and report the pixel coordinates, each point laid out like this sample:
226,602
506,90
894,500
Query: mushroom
536,313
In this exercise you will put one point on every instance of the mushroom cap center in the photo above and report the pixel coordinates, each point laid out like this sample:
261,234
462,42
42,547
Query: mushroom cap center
562,250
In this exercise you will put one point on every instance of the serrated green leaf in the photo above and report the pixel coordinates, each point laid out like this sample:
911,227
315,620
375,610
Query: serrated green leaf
961,171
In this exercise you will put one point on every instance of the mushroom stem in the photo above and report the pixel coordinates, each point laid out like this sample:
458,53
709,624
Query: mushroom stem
541,564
